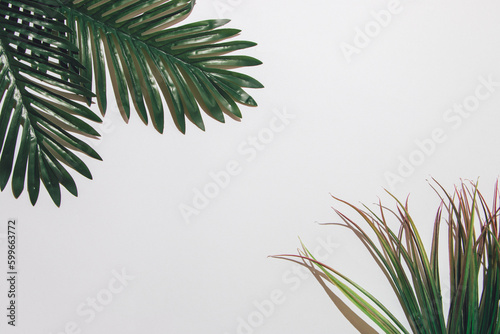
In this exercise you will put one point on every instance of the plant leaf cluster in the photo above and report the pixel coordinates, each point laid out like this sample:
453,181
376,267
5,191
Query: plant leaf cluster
54,56
413,270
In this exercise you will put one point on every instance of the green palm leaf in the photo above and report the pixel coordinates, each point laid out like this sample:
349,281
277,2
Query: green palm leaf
186,65
53,52
39,124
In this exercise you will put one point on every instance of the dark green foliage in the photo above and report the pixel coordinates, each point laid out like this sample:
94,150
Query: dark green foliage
36,120
54,53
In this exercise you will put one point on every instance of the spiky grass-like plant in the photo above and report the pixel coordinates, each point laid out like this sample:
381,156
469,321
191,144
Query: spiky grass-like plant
414,273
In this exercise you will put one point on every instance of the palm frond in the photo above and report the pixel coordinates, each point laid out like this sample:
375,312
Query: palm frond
149,58
40,122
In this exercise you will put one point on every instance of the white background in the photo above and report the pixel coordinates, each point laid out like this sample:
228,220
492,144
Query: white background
352,123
